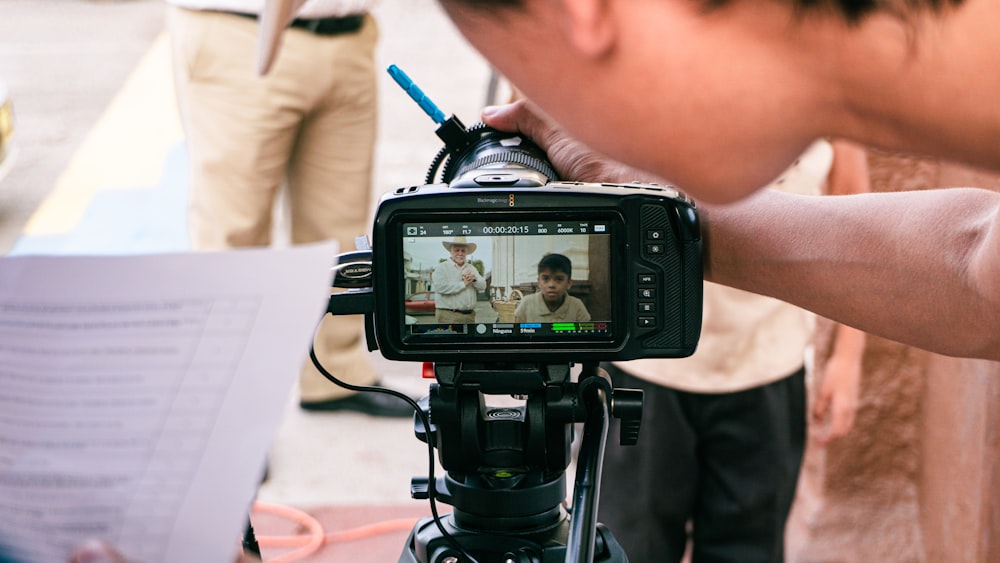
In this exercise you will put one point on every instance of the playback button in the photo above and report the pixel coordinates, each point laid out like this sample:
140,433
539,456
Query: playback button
647,300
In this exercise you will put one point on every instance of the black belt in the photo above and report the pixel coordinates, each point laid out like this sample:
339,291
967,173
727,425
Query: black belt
323,26
463,312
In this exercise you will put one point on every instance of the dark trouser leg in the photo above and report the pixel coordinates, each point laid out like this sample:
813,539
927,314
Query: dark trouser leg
648,490
750,453
727,462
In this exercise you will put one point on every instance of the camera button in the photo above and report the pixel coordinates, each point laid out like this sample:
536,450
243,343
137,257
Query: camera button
646,307
647,279
647,322
655,248
655,234
647,293
500,179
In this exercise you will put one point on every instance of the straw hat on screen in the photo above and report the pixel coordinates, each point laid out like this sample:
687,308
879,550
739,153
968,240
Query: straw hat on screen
460,241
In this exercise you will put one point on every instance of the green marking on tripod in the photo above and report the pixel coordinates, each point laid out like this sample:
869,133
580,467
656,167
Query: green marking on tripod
563,326
503,474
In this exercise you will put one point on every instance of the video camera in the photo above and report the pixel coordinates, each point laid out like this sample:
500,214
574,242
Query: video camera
635,251
506,318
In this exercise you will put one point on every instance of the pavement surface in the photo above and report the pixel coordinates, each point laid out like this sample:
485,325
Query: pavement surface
100,169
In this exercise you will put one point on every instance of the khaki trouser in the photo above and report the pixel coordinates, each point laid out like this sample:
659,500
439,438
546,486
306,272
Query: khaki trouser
446,317
309,125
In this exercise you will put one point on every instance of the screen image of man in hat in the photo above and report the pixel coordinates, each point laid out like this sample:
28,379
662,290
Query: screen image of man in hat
455,283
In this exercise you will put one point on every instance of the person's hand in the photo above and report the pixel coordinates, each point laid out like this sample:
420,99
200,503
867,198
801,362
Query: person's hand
572,160
95,551
836,401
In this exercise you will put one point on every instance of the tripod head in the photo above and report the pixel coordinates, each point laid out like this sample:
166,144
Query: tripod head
506,465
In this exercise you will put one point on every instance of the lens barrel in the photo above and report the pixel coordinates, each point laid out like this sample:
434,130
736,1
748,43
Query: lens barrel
493,151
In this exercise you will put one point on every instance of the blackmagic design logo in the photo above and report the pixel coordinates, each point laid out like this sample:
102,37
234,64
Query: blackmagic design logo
496,200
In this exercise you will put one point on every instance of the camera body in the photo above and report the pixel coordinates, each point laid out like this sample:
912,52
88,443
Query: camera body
634,250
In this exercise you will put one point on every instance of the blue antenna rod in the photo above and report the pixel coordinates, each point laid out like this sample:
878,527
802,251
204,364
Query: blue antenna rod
416,93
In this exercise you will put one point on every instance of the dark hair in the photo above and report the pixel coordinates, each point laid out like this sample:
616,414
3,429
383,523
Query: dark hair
556,263
852,10
855,10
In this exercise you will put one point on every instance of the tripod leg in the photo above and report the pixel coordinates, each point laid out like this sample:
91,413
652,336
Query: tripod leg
596,392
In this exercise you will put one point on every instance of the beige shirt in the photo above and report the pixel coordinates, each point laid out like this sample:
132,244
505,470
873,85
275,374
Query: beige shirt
533,309
747,340
450,292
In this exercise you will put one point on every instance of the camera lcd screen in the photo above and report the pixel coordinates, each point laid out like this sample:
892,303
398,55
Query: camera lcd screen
495,283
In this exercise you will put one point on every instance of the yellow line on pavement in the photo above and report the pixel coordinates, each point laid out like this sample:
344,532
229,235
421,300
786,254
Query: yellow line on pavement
126,148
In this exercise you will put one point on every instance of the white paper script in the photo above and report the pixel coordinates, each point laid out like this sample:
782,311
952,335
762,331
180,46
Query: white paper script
139,395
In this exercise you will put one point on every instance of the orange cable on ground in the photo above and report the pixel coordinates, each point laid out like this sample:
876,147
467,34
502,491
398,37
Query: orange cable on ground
308,544
370,530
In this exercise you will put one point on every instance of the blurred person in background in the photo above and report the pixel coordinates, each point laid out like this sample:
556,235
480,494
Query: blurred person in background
308,125
725,429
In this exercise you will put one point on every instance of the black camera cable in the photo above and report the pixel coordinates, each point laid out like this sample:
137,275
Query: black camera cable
431,481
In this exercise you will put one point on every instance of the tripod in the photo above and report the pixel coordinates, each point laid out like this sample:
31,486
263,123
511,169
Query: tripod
506,466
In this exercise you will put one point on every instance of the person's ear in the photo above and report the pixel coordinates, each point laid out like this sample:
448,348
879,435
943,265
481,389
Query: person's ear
590,26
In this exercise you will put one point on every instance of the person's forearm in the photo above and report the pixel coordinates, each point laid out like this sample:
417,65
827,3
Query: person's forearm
922,268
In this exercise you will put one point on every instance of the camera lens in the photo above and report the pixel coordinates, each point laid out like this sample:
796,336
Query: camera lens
498,155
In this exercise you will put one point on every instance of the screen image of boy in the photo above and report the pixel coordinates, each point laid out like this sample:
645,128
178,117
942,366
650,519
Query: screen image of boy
552,302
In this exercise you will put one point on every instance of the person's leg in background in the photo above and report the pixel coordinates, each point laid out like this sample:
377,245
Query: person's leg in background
752,446
329,189
248,134
648,490
727,463
238,133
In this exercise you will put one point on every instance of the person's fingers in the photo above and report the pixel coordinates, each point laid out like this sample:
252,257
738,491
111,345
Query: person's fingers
94,551
572,160
843,420
504,117
519,117
820,406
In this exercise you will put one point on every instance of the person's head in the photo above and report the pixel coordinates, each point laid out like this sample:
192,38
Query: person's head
555,277
715,96
459,248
